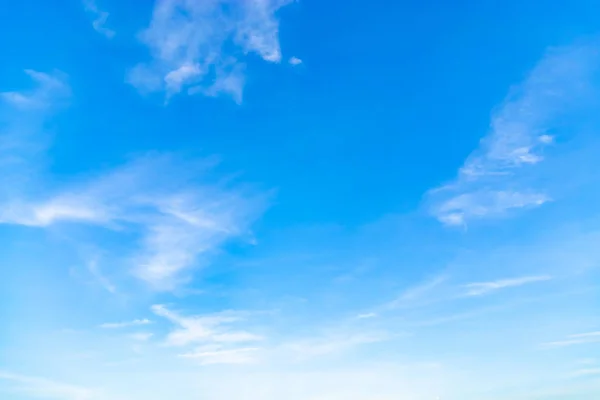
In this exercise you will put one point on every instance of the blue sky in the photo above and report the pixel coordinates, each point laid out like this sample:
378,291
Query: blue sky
266,199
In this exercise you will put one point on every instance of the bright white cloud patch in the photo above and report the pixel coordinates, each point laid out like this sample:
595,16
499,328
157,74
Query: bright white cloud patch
488,183
200,46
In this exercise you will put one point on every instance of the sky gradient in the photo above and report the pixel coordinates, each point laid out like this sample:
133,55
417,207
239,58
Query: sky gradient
309,200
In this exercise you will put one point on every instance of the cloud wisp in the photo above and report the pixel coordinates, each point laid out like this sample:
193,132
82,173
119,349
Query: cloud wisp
50,89
99,18
24,135
126,324
484,288
177,211
176,218
46,389
211,339
200,46
489,182
576,339
310,348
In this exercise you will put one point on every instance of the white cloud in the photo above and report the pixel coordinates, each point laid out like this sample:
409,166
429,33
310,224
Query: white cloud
126,324
94,270
366,315
417,293
295,61
46,389
334,344
179,214
141,336
483,288
201,45
177,220
485,203
586,372
213,338
576,339
209,355
50,89
210,328
23,132
488,183
99,18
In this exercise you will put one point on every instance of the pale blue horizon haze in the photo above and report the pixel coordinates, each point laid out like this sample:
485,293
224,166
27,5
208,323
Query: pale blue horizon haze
309,200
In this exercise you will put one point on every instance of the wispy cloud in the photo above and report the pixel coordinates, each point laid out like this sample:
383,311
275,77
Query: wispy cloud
141,336
317,347
99,18
416,294
586,372
125,324
212,336
487,184
177,211
483,288
200,46
576,339
46,389
177,220
214,354
94,270
366,315
24,136
50,89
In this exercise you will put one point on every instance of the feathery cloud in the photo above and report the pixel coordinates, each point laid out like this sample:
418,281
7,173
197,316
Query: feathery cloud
487,184
317,347
576,339
214,354
416,294
483,288
23,132
177,220
50,89
99,18
586,372
46,389
200,46
213,339
126,324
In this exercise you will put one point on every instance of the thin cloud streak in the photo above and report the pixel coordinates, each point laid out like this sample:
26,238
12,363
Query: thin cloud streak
576,339
488,183
126,324
483,288
47,389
